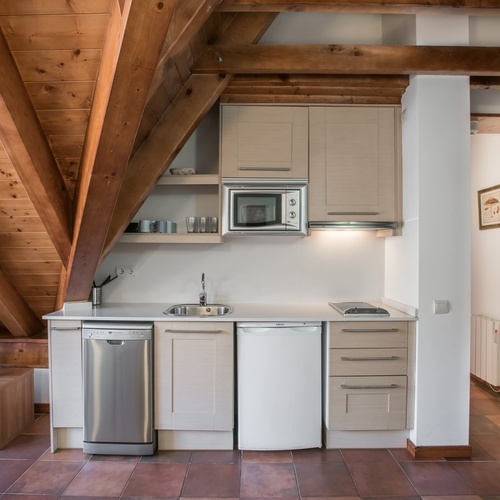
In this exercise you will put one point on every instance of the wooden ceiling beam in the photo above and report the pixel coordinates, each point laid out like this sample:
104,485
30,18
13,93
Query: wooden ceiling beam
467,7
316,89
484,83
349,59
30,153
133,48
15,313
188,19
176,125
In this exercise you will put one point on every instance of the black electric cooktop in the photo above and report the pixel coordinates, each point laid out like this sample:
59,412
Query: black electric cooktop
358,309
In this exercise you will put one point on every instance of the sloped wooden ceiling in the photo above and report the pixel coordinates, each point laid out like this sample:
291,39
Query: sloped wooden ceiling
98,96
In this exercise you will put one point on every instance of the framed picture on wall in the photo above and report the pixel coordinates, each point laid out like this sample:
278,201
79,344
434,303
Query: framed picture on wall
489,207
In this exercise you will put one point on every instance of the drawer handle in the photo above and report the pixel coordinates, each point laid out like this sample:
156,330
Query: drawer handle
66,329
368,330
353,213
388,386
192,331
267,169
370,358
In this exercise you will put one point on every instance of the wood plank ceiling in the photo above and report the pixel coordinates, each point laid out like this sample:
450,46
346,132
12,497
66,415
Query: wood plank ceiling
98,96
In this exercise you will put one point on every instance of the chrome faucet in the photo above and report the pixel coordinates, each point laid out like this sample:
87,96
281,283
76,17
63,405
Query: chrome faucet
203,294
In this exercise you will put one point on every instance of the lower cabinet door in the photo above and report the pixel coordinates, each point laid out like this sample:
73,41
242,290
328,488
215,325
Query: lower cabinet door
194,375
65,358
367,403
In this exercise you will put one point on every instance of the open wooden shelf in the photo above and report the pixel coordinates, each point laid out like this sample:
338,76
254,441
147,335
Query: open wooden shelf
211,238
188,180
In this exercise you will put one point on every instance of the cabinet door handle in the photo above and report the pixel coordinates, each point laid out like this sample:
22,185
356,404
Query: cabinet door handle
353,213
66,329
369,358
367,330
168,330
267,169
388,386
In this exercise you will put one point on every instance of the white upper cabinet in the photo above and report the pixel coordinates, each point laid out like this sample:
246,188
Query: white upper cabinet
354,163
264,141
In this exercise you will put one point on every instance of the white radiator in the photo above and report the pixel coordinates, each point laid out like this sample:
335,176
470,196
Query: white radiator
485,349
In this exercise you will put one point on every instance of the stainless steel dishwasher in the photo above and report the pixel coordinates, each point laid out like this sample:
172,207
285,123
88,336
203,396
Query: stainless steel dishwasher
118,388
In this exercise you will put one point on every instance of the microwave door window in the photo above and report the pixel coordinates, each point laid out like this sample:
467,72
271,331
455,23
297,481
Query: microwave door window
256,210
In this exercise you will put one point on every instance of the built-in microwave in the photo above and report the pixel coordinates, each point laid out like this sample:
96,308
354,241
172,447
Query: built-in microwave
256,206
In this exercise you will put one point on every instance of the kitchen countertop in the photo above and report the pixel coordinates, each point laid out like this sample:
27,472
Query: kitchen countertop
241,312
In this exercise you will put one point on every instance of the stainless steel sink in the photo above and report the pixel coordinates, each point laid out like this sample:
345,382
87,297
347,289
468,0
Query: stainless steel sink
197,310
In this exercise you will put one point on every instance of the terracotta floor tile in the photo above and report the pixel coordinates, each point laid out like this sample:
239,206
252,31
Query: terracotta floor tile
10,470
484,477
216,457
156,480
452,497
26,446
30,497
337,498
320,480
317,456
88,498
66,454
403,455
375,455
494,418
268,480
41,425
433,478
115,458
212,481
46,478
168,457
101,479
480,425
275,457
491,444
380,479
484,407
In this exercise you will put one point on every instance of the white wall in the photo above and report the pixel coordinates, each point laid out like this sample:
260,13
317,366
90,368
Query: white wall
485,160
324,266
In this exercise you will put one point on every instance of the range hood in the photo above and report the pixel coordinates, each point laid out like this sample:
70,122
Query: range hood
353,225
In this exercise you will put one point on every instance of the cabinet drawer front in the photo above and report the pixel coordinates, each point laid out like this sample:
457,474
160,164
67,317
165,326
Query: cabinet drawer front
367,403
368,361
368,334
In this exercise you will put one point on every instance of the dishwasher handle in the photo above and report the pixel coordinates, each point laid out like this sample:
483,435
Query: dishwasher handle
116,342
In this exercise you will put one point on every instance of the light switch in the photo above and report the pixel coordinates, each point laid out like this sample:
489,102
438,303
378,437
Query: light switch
441,307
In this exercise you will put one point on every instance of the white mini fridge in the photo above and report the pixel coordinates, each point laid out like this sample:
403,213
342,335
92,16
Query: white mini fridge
279,385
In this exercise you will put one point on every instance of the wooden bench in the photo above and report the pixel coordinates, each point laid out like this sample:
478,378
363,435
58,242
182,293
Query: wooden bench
16,402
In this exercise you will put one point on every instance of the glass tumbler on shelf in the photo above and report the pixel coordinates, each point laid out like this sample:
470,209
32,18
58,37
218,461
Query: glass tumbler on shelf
211,224
201,225
190,224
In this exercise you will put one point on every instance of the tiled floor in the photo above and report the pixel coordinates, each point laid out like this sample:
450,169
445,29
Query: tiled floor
29,471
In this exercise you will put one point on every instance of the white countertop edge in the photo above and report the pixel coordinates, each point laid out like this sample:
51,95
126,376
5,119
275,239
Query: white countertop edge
241,312
411,311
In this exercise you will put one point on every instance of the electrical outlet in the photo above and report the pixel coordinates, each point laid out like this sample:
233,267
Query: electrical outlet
126,271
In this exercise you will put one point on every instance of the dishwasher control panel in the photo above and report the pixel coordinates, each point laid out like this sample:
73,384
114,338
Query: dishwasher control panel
102,330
